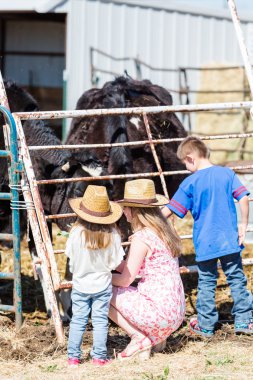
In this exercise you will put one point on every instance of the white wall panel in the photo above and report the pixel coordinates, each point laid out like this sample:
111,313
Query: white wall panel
161,37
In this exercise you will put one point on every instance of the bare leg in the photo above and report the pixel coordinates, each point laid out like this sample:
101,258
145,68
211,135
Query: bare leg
135,334
118,318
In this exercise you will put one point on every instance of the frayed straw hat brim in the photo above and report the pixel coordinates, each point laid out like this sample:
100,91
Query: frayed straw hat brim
116,213
161,201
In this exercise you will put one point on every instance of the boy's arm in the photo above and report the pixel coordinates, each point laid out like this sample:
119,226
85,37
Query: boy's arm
244,208
166,212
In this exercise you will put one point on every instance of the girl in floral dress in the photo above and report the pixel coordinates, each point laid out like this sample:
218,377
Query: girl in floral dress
156,308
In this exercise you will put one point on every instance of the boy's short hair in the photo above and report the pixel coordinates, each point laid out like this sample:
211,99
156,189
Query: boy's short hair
192,144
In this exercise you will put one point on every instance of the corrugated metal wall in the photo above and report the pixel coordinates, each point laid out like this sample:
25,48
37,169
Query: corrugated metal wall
160,37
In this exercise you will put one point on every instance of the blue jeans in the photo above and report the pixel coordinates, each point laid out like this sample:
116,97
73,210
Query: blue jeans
208,274
82,304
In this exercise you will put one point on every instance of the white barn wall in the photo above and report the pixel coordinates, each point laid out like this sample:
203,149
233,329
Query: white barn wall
161,37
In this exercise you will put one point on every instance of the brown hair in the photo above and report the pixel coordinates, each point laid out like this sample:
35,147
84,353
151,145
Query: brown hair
192,144
96,236
153,218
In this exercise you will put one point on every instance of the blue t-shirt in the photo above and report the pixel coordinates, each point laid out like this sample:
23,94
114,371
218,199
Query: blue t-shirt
209,195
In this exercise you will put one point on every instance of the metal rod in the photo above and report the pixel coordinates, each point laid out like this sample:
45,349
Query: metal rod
5,196
123,176
157,162
7,276
44,267
183,270
61,216
7,308
38,204
132,110
194,268
241,42
139,143
11,137
7,237
4,153
73,215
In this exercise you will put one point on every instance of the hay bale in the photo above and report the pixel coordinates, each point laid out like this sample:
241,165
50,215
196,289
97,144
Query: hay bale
224,122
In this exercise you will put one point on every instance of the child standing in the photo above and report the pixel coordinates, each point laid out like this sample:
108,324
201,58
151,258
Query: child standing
94,249
209,195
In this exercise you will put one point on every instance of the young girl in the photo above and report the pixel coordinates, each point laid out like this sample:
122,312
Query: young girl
156,308
94,249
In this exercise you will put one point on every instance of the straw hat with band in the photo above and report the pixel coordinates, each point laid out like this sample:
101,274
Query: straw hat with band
95,207
141,193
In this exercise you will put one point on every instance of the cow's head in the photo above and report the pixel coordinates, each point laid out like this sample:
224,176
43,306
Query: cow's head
81,164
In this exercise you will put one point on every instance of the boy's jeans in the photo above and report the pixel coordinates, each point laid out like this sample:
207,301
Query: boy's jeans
82,304
243,300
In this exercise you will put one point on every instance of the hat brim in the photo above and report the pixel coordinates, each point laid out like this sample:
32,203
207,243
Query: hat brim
116,212
161,201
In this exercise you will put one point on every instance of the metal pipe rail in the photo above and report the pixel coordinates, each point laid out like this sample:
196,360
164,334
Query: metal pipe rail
73,215
123,176
11,142
140,143
183,270
40,115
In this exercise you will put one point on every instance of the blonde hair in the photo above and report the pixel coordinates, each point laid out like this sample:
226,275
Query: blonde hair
154,219
96,236
192,144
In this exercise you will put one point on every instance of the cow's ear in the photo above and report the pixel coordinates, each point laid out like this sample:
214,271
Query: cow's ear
66,167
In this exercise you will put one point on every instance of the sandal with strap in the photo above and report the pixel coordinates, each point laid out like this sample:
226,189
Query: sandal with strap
142,350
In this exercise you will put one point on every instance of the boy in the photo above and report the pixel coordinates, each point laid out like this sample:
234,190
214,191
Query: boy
209,194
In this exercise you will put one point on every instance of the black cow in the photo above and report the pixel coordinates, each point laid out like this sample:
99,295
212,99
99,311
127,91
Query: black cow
121,93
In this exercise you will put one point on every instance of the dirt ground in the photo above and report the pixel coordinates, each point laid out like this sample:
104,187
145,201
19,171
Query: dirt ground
33,352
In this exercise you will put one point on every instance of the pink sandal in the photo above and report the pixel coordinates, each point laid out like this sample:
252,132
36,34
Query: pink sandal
143,351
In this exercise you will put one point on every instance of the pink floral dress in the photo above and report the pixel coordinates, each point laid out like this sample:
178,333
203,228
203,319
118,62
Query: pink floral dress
157,306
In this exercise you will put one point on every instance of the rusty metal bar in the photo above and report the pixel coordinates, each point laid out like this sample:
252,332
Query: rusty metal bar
139,143
194,268
38,204
45,277
132,110
7,276
113,176
7,237
123,176
8,308
61,216
10,140
183,270
238,30
73,215
157,162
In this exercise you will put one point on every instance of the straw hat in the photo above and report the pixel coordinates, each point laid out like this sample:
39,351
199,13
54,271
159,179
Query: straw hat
95,206
141,193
